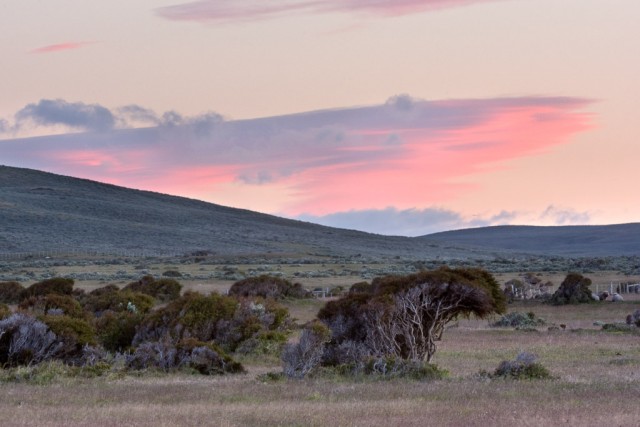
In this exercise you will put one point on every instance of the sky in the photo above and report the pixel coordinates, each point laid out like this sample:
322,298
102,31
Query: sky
399,117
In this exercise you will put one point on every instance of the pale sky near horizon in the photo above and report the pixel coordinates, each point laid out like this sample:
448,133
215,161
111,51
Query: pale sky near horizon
397,117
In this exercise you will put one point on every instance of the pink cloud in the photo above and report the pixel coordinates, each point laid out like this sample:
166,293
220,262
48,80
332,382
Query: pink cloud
247,10
405,153
60,47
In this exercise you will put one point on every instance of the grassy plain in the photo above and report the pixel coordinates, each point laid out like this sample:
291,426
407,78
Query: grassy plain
597,374
598,381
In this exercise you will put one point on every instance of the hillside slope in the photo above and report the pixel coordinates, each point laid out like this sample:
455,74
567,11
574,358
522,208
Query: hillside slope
583,240
41,211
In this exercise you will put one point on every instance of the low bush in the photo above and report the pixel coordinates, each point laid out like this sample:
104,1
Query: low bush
193,315
268,287
53,304
164,290
73,333
519,320
205,358
115,330
113,299
56,285
574,289
10,292
301,358
524,367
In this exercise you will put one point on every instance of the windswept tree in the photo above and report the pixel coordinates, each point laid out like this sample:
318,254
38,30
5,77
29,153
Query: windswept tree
405,316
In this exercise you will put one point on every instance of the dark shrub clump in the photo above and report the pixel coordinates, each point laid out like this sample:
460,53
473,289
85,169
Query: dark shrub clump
205,358
164,290
112,299
115,330
53,304
57,285
524,367
574,289
519,320
268,287
10,292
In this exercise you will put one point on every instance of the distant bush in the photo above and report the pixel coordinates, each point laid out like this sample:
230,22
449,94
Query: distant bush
112,299
57,285
524,367
172,273
53,304
390,367
361,287
10,292
574,289
268,287
164,290
519,320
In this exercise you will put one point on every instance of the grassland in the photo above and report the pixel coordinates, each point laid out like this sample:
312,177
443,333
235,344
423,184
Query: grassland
597,383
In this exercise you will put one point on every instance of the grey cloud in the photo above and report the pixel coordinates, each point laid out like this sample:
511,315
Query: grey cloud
134,114
391,221
562,216
51,112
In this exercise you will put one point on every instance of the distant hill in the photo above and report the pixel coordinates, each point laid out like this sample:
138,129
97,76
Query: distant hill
583,240
42,211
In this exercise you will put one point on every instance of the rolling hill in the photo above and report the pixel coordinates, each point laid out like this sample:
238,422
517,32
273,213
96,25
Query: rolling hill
577,240
41,211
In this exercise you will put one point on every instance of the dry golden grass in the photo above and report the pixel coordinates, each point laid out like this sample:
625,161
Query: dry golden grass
598,383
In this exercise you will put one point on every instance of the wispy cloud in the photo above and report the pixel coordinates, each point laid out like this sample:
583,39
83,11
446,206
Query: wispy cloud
60,47
406,153
249,10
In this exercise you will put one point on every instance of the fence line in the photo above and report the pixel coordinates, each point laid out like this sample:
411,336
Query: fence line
621,288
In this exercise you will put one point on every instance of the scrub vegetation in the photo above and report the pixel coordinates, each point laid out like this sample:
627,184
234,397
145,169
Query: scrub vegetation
397,349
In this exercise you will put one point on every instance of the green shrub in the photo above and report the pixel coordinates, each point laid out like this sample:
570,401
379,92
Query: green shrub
268,287
172,273
10,292
72,332
574,289
524,367
361,287
519,320
5,311
193,315
53,304
57,285
391,367
117,300
115,330
164,290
